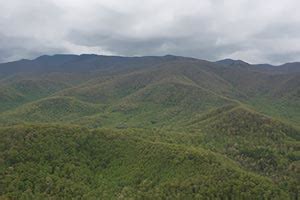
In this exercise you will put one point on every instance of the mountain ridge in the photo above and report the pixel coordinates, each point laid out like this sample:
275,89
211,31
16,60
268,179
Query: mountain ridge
131,120
226,61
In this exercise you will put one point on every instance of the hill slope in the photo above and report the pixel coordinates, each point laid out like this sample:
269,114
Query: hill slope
171,128
62,162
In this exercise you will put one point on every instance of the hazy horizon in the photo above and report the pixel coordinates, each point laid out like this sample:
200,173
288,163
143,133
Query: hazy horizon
66,54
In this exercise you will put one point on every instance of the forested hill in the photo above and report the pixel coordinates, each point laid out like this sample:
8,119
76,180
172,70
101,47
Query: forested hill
170,127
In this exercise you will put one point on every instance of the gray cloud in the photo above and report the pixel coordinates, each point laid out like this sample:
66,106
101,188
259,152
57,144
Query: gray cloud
253,30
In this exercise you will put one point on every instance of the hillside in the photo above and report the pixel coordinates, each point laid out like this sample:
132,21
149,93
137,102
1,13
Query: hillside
167,127
68,162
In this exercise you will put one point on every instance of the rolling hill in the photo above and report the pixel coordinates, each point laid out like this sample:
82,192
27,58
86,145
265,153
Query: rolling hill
109,127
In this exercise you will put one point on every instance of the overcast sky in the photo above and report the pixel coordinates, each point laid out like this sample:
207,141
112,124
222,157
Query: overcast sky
257,31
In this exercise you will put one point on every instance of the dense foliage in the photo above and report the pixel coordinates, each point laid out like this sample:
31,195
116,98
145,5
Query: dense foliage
71,162
96,127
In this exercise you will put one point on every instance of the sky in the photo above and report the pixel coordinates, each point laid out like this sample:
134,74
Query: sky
256,31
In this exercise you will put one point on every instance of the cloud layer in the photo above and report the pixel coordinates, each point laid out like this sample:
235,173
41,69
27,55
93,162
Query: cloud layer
252,30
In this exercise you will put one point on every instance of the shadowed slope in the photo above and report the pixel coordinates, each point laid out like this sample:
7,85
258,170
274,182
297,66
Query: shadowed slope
53,109
16,93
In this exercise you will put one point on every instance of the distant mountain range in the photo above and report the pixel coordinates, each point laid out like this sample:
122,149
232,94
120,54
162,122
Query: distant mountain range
79,61
149,128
